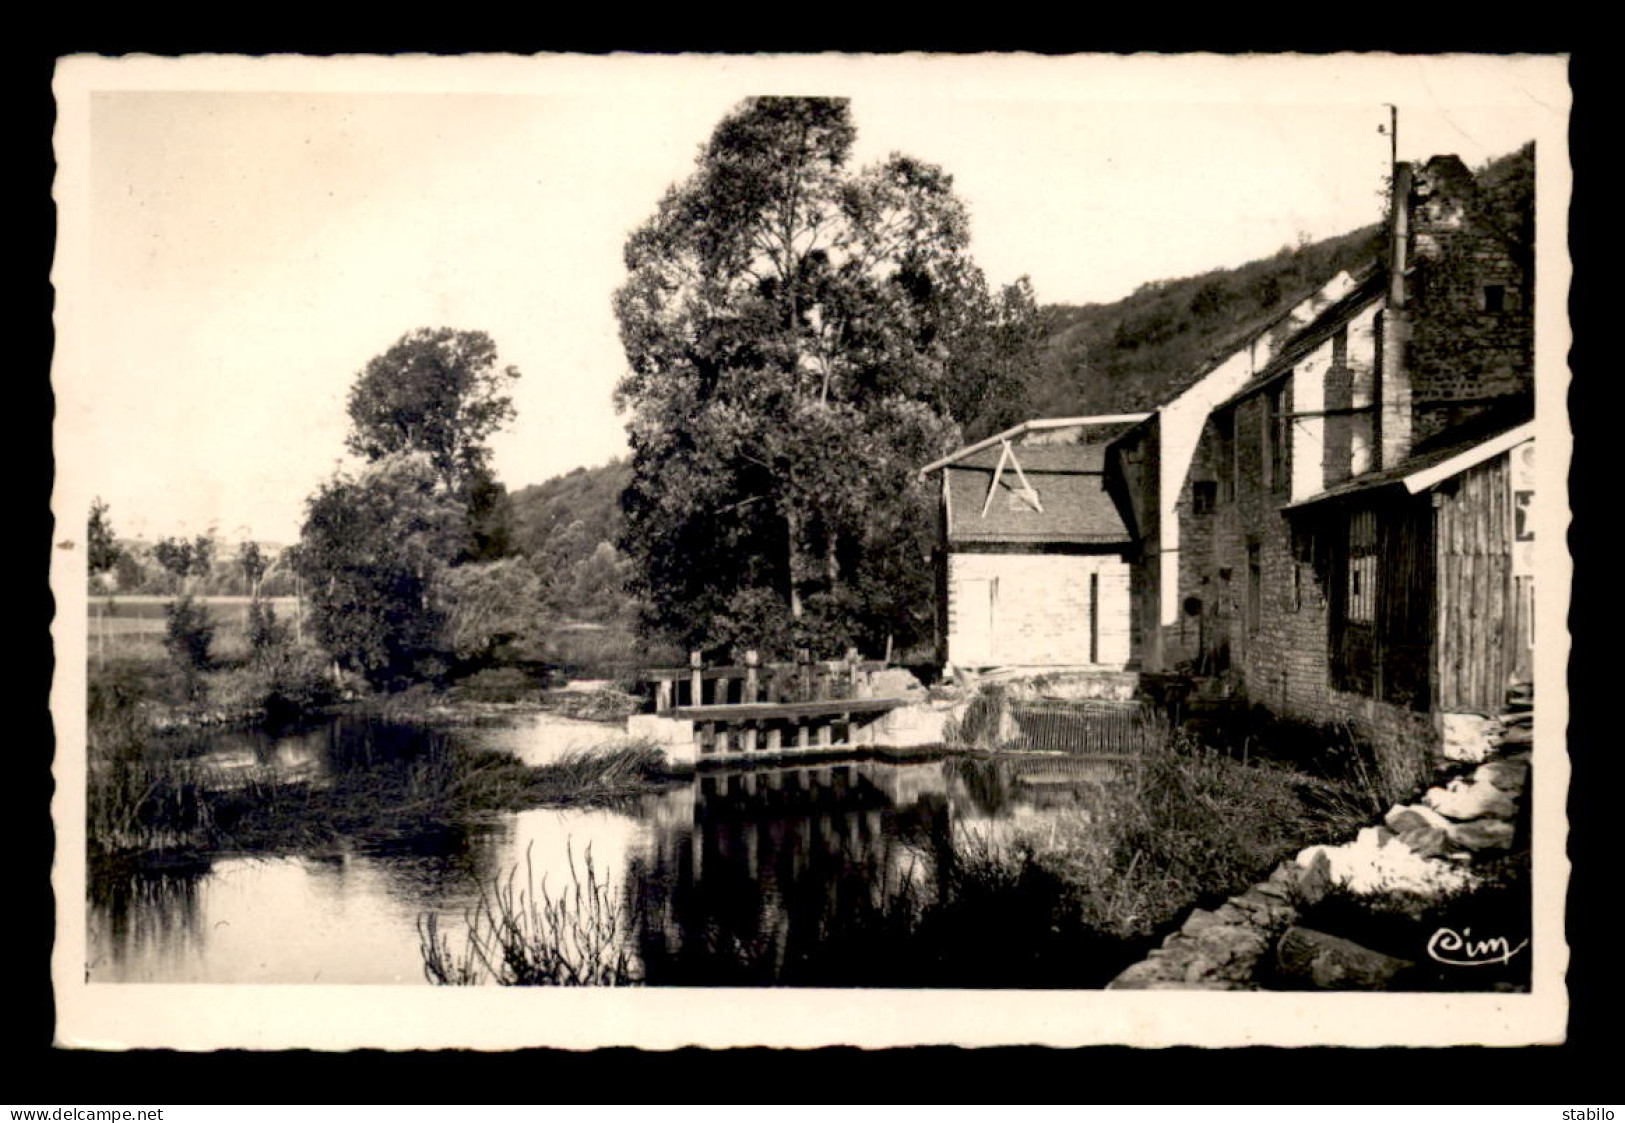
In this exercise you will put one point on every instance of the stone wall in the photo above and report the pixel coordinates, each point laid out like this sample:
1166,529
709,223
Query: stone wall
1465,350
1039,606
1426,850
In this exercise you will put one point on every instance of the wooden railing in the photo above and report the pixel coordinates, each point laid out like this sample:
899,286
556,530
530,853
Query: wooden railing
804,680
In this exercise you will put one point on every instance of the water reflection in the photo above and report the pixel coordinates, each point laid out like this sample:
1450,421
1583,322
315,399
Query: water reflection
779,873
541,738
137,916
866,874
855,873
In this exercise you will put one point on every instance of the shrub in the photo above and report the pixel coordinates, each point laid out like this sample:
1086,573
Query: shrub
281,682
266,634
983,725
496,684
188,632
1187,824
115,724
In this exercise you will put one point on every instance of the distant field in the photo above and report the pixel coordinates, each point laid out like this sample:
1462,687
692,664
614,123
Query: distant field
135,622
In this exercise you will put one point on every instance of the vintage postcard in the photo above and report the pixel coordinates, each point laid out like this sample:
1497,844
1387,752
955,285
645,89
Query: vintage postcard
714,550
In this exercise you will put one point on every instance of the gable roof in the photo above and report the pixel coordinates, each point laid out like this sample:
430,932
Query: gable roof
1033,426
1041,458
1076,508
1251,330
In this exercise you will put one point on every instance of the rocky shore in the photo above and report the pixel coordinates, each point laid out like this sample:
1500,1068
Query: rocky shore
1439,847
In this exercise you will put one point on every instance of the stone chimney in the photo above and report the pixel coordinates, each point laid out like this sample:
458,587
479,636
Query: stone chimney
1393,377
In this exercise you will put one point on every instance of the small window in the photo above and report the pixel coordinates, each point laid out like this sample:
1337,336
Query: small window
1224,453
1495,299
1204,496
1255,587
1362,592
1275,422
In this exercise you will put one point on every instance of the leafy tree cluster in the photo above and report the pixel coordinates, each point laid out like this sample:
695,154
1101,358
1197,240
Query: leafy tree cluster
376,544
255,566
185,557
801,337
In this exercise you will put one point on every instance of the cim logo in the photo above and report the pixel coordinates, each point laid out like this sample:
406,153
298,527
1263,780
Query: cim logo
1459,949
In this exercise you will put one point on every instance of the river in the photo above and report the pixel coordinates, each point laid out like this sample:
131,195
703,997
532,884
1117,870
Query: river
819,874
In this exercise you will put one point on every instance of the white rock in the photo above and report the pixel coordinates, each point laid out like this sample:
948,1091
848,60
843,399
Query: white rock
1366,866
674,735
1462,800
1469,737
1400,819
895,682
911,725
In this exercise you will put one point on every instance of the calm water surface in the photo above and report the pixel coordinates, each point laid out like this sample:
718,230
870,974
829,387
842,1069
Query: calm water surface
749,877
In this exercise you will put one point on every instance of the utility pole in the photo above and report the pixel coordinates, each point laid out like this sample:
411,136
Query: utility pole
1392,130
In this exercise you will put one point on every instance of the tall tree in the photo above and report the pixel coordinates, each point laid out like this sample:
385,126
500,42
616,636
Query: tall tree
441,392
203,550
799,334
374,546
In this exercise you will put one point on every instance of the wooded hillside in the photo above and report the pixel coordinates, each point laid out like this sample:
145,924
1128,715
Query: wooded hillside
569,528
1137,352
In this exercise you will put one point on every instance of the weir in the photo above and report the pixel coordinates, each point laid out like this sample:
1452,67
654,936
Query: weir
762,710
760,730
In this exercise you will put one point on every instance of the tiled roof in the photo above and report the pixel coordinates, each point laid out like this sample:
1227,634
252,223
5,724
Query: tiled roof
1077,509
1041,458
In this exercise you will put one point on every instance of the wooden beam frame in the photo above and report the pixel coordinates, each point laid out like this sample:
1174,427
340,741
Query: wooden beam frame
1009,454
997,473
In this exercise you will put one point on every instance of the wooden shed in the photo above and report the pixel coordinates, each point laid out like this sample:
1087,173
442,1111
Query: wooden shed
1429,574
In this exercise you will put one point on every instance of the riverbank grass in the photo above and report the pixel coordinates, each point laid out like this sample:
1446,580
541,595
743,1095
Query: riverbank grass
155,803
1187,827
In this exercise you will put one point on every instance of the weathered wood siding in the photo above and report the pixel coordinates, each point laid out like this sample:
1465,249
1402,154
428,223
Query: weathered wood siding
1477,615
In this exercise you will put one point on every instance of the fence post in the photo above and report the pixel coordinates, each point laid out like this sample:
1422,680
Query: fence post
751,681
663,690
696,679
852,672
804,672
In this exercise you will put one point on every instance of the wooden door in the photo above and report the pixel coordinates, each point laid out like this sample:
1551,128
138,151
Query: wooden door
974,646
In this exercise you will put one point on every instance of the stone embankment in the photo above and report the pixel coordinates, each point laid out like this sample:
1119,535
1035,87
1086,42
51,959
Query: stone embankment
1429,849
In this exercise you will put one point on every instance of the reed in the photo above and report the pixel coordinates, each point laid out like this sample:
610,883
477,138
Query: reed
525,935
149,797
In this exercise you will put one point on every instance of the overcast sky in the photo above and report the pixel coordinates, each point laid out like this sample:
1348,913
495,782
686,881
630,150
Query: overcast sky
238,237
